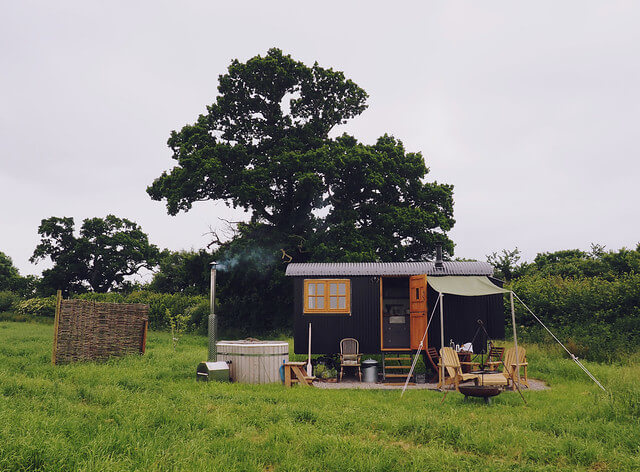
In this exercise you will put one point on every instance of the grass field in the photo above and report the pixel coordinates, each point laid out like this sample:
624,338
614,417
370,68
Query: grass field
148,413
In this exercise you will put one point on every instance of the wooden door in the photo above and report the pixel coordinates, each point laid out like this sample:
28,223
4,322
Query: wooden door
418,309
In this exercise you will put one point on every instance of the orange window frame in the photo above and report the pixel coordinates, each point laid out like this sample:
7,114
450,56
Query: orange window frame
325,295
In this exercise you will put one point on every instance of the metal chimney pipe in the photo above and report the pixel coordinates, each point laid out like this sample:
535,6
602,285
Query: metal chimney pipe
439,264
213,321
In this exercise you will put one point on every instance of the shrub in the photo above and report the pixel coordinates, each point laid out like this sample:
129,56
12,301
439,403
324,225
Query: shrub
177,324
594,317
194,306
8,300
199,316
323,372
38,306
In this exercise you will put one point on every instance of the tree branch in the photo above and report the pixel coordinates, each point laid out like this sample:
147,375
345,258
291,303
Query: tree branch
285,255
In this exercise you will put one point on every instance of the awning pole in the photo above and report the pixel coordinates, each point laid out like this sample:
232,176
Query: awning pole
441,340
515,338
415,359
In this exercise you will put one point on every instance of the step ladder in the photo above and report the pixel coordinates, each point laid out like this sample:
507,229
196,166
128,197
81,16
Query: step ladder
396,366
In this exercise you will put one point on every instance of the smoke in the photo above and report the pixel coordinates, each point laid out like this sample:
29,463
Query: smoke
257,258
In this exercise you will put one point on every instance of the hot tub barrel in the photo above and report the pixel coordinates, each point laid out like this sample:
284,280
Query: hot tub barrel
254,362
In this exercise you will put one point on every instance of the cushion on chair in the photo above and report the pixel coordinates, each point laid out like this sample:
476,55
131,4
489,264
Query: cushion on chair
492,379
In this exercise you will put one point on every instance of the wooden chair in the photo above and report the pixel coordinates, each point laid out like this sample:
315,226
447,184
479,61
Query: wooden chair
350,355
449,360
434,359
465,361
510,366
494,358
492,362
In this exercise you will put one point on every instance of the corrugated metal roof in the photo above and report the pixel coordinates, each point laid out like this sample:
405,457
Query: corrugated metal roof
388,268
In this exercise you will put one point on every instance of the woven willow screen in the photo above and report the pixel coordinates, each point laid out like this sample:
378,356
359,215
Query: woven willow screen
86,330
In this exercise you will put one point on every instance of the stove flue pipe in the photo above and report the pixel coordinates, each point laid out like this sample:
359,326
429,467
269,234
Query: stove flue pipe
213,321
439,264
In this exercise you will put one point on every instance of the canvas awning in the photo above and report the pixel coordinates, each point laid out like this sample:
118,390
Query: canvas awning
477,286
468,286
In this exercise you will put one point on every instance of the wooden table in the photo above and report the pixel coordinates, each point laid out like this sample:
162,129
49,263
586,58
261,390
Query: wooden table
294,372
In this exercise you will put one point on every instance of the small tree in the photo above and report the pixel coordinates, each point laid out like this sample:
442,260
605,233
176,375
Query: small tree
178,325
106,251
506,264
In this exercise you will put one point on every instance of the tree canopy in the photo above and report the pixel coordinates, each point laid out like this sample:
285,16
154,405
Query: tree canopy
568,263
106,251
264,146
252,147
380,209
8,272
183,272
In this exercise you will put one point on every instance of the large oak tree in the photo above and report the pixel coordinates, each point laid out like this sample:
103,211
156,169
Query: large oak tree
264,146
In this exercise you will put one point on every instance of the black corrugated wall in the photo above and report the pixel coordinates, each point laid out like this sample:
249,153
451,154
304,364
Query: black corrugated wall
327,330
460,314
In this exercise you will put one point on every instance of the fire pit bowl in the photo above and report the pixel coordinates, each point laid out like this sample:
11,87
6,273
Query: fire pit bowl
481,391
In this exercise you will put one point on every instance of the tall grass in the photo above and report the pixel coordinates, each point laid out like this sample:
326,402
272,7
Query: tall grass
148,413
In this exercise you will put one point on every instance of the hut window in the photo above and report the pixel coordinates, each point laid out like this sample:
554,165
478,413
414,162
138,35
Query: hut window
327,296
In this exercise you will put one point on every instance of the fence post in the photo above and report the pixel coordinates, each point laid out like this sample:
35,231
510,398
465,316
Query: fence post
55,327
144,337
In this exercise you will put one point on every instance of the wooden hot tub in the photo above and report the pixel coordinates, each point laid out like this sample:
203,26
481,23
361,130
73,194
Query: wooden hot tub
255,362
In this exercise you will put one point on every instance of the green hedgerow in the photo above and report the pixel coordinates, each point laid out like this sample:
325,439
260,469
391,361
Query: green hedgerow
37,306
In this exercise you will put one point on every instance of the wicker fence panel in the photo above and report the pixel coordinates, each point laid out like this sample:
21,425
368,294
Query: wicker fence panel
88,330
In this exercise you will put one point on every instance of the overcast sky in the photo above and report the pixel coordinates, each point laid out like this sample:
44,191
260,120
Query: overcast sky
530,109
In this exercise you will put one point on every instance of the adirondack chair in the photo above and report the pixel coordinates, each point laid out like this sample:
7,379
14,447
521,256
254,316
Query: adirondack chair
350,355
451,363
510,366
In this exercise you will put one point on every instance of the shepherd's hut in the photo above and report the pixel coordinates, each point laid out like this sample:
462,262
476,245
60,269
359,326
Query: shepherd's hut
386,305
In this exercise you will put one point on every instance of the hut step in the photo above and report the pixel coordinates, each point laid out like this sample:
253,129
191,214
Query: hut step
394,362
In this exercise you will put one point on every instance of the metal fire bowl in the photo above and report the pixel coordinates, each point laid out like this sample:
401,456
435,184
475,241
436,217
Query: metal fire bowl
482,391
